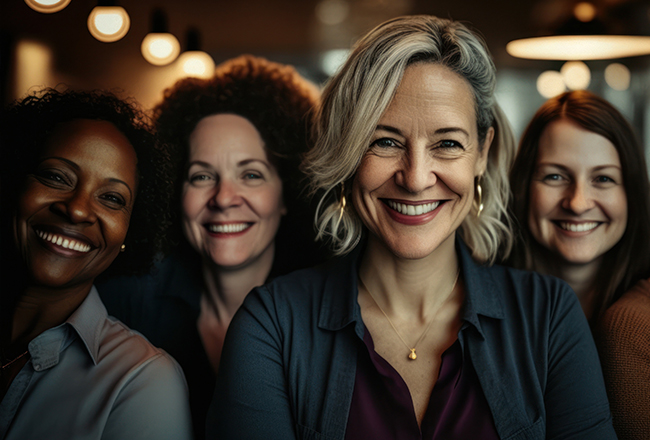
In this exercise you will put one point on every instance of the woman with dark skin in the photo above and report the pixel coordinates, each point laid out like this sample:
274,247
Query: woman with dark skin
582,200
237,139
78,170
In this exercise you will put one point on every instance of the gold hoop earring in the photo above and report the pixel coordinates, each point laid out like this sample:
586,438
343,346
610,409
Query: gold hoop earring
123,248
342,203
479,192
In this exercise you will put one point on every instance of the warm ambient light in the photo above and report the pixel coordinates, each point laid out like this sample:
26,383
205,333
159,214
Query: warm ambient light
47,6
617,76
160,48
584,11
576,75
550,84
196,63
108,23
579,47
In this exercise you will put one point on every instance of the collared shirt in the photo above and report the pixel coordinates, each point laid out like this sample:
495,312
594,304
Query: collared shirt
289,360
93,378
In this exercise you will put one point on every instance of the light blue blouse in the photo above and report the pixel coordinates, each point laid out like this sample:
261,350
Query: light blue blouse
94,378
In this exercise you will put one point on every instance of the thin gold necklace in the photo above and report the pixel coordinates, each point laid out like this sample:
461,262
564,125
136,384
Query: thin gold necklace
412,355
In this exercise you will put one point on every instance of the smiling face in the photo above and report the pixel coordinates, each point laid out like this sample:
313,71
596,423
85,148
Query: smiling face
74,210
415,184
578,205
232,198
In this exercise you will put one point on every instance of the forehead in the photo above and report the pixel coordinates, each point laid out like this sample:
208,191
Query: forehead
566,143
433,94
226,135
92,143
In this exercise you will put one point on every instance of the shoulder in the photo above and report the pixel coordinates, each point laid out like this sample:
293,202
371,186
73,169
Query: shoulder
630,315
128,351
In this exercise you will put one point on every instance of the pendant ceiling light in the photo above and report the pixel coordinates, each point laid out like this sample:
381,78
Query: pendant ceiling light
47,6
160,47
108,22
195,62
583,37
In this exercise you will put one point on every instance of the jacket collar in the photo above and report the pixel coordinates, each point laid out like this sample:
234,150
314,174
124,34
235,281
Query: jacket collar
339,306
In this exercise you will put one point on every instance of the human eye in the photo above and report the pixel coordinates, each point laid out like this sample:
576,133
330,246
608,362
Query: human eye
114,200
384,143
52,177
252,175
552,178
200,178
450,144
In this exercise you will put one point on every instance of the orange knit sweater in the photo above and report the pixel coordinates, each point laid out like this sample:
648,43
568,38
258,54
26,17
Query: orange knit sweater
623,339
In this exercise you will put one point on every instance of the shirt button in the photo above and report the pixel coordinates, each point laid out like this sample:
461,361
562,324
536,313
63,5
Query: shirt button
37,367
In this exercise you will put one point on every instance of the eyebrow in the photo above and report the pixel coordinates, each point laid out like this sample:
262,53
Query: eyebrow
562,167
241,163
78,168
443,130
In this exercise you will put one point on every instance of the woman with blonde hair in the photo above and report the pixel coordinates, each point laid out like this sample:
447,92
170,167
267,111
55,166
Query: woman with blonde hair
411,333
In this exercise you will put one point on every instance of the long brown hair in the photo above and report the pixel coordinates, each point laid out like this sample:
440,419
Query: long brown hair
629,260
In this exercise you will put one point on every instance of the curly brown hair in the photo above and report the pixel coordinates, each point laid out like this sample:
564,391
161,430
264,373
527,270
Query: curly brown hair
276,100
27,124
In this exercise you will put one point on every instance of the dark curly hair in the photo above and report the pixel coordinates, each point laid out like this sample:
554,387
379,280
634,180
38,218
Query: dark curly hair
25,128
279,103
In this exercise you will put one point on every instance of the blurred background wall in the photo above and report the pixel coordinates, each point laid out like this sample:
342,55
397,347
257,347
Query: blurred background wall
56,49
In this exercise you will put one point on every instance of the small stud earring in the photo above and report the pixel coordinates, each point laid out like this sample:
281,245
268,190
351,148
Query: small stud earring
123,248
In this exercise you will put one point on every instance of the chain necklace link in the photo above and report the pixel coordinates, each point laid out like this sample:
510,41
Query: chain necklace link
412,355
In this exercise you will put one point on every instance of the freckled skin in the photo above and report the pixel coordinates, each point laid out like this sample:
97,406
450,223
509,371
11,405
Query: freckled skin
577,181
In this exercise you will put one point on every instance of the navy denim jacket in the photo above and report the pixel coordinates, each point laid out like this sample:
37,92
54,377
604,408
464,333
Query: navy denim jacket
289,361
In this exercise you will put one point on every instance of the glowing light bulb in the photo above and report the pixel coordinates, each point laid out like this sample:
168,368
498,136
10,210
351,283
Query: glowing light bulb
47,6
584,11
550,84
108,23
196,63
617,76
160,48
576,75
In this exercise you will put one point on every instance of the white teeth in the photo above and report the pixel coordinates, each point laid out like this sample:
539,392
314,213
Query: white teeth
229,228
413,209
578,227
66,243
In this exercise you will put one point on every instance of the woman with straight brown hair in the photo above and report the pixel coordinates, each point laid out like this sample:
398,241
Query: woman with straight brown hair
582,199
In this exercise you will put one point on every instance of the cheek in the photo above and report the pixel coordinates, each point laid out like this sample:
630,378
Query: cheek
268,201
192,203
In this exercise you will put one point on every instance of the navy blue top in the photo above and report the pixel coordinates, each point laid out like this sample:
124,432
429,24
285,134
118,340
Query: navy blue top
382,408
290,356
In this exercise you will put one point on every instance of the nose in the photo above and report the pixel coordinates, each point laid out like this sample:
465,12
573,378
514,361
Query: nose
416,172
578,198
78,207
226,195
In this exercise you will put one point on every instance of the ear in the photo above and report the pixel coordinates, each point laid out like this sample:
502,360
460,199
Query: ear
481,163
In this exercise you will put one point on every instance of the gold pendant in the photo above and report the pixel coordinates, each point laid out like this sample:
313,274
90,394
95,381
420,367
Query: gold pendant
412,355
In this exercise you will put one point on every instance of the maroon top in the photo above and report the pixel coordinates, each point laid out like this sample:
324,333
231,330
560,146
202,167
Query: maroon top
382,407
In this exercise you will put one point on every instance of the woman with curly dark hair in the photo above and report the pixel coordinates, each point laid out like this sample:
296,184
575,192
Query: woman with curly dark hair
78,171
237,139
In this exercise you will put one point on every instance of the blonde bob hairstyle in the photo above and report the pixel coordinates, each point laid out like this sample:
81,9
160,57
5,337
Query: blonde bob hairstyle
357,96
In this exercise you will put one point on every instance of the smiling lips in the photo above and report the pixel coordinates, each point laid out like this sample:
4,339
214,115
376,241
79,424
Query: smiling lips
412,209
577,227
230,228
64,242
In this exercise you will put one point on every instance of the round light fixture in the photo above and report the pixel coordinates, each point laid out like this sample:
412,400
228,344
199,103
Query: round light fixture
47,6
550,84
160,48
108,23
584,11
196,63
617,76
576,75
579,47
